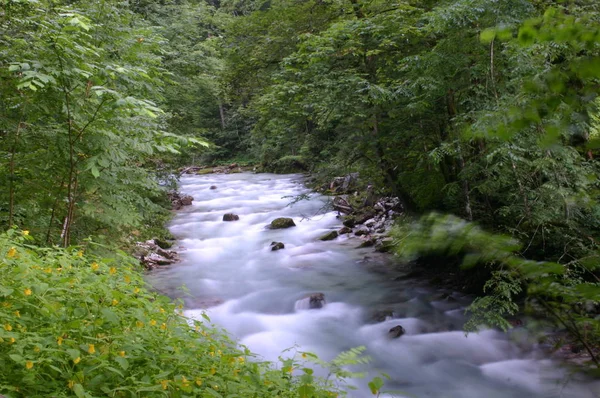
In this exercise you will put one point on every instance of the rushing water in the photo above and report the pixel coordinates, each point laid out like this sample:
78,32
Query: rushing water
256,294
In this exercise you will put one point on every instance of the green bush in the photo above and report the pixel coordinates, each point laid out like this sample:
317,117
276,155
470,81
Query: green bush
75,324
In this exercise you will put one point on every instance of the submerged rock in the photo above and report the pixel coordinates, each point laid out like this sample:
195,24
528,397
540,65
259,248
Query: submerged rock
213,187
329,235
277,246
281,223
396,332
230,217
178,200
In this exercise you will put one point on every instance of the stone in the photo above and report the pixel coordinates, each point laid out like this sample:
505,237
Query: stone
367,243
349,222
367,215
281,223
316,301
396,332
331,235
213,187
163,244
186,200
362,231
277,246
382,315
155,258
230,217
345,230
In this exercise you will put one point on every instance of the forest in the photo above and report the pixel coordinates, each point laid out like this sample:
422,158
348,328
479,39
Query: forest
481,116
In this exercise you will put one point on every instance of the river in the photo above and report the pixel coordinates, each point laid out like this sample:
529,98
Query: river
256,294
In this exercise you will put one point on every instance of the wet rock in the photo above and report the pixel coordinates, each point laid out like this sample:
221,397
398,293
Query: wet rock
370,222
362,231
382,315
396,332
213,187
157,259
277,246
349,222
316,301
230,217
367,243
281,223
168,254
163,244
329,236
186,200
345,230
179,200
364,216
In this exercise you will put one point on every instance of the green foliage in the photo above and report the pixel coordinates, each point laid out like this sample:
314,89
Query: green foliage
568,293
74,324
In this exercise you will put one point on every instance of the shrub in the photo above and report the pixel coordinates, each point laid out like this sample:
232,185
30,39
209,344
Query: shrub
75,324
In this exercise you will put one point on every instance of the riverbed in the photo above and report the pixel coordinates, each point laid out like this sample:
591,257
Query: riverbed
259,296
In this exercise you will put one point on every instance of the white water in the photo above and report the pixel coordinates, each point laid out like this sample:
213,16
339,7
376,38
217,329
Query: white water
255,290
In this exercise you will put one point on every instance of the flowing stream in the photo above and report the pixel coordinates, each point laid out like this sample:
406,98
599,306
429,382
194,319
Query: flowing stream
258,295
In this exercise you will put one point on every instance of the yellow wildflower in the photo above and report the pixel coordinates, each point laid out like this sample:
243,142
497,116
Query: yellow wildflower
77,360
139,324
163,326
71,384
165,384
198,382
91,349
162,311
184,382
241,359
80,253
25,233
212,353
127,279
59,340
152,322
112,270
27,292
11,340
235,372
213,371
12,252
17,314
7,327
136,290
216,387
95,266
29,364
115,302
121,353
303,355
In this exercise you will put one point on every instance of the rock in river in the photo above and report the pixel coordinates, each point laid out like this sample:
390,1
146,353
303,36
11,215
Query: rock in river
281,223
396,332
277,246
230,217
331,235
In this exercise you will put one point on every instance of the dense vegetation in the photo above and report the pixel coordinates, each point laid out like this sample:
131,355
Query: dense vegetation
484,109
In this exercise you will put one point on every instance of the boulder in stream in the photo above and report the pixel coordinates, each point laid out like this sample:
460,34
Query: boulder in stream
345,230
230,217
281,223
396,331
213,187
311,302
331,235
277,246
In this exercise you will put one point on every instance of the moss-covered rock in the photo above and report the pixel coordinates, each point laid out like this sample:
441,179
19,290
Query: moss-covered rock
331,235
281,223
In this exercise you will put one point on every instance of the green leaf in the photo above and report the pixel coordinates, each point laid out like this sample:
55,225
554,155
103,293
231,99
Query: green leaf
79,390
488,35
